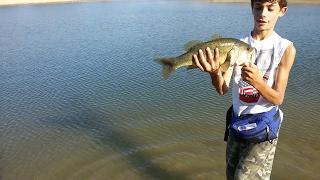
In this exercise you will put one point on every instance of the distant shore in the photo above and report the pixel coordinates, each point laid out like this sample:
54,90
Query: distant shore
247,1
23,2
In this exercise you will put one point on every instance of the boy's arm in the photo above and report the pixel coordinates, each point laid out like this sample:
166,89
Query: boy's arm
276,93
221,80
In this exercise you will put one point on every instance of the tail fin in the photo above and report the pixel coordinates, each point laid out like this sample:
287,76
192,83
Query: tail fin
167,66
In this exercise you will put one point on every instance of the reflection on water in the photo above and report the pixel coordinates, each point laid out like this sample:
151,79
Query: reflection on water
81,96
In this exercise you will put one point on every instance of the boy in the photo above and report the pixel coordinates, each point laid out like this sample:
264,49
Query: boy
256,88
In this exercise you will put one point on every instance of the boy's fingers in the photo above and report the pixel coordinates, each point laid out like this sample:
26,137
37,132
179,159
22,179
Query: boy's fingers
201,56
245,68
249,64
196,61
216,55
202,60
209,55
246,64
253,65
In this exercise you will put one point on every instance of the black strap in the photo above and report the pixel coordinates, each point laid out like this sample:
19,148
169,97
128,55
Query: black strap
228,120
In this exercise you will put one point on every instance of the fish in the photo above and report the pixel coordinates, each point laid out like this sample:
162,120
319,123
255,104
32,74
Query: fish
231,52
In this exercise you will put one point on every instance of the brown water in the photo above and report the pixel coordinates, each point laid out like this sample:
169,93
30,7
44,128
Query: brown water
81,97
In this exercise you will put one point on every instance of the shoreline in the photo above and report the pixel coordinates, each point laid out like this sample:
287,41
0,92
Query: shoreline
247,1
34,2
4,3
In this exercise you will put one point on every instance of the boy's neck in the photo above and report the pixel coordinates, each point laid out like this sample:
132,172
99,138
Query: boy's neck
261,35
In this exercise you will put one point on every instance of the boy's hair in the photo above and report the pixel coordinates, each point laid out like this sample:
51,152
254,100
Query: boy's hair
282,3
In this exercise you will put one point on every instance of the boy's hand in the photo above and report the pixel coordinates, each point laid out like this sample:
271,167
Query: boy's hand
210,63
251,74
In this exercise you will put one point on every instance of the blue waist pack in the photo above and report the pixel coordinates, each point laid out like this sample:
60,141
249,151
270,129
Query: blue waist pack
256,128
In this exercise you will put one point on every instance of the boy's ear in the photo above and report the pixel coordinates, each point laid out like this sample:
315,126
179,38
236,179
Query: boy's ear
283,11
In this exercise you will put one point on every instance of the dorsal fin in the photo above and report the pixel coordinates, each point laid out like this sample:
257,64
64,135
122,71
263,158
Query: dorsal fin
191,44
215,36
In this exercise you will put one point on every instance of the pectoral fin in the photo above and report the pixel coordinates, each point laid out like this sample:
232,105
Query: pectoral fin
225,66
230,59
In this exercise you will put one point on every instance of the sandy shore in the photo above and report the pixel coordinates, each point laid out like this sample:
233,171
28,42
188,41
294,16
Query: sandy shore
19,2
247,1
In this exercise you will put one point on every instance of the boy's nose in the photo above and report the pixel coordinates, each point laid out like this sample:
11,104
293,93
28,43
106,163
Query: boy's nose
264,12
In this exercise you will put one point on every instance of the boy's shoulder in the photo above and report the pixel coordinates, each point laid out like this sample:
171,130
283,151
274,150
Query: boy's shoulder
277,36
282,43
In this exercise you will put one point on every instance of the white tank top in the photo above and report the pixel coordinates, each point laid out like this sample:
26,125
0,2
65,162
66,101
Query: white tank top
245,98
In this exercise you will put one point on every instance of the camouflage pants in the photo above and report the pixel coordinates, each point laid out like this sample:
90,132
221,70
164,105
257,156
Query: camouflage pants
249,161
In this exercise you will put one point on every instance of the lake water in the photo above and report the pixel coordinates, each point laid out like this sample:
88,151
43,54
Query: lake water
81,96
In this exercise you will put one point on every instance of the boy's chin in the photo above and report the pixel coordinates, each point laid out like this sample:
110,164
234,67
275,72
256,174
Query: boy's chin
262,28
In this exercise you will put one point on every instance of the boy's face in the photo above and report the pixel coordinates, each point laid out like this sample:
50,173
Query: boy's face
266,15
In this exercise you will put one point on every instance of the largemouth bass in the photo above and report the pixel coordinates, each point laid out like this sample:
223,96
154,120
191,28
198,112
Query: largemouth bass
232,52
